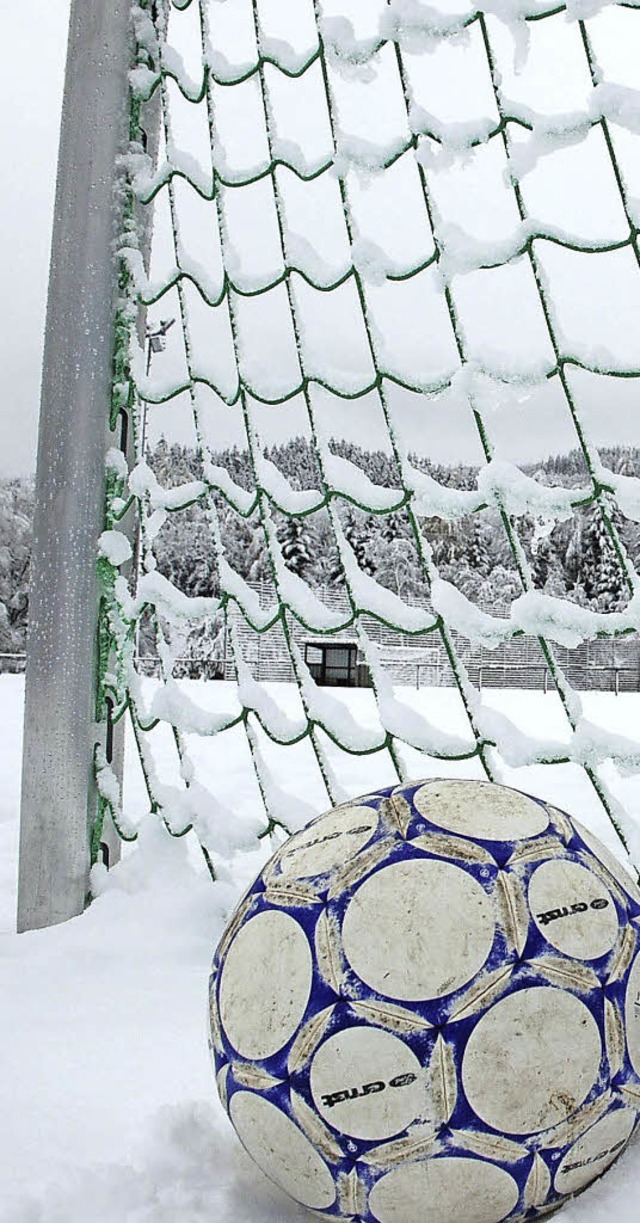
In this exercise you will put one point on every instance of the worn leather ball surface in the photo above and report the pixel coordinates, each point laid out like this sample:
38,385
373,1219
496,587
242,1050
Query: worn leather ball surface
427,1008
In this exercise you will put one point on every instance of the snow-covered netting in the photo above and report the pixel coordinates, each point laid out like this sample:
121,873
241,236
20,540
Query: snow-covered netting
401,227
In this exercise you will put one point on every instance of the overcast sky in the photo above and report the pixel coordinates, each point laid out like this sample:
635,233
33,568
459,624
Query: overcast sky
34,39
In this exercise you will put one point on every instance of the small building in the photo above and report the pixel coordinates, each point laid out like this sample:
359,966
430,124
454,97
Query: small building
334,663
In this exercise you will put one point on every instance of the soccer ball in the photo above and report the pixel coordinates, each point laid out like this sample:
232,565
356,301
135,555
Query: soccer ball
426,1009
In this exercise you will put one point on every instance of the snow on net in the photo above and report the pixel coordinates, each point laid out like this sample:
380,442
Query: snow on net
402,229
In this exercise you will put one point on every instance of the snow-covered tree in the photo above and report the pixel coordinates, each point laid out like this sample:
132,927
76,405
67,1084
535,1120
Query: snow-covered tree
600,570
296,544
16,510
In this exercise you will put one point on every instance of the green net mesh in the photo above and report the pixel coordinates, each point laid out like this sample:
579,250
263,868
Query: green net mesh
389,228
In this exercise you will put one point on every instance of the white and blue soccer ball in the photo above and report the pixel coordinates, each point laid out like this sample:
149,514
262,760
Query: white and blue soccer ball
427,1008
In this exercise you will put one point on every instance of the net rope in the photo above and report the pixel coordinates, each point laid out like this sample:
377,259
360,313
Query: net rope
219,378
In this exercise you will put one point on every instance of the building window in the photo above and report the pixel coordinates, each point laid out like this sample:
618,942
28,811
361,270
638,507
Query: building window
332,663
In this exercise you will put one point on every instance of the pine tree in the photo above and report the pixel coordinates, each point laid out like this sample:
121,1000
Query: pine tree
544,559
600,570
296,545
325,568
357,529
259,565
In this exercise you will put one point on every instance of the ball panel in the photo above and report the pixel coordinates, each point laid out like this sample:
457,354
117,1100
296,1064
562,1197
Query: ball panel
613,864
531,1060
330,841
632,1015
573,909
595,1151
267,972
444,1190
367,1083
481,809
434,929
282,1151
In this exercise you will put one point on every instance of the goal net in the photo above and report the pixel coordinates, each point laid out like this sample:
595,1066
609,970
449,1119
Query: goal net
381,361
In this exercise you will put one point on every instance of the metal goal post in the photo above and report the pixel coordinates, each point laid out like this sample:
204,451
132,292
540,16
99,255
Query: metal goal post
61,729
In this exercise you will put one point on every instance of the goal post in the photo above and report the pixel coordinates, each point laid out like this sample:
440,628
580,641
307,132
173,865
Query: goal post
60,730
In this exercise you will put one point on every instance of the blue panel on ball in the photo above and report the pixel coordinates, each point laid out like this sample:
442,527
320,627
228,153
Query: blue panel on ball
427,1008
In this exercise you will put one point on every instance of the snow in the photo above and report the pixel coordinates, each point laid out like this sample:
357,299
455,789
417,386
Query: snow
117,463
303,256
292,155
371,262
246,598
567,623
291,500
147,182
115,547
284,56
171,704
354,152
518,493
106,1091
617,103
626,491
254,696
302,599
341,43
350,480
144,484
335,717
431,498
174,66
398,718
218,477
156,591
460,613
223,71
533,613
453,138
415,25
378,600
210,285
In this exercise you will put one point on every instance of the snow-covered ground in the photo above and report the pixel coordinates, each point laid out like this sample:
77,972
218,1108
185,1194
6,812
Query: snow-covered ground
108,1112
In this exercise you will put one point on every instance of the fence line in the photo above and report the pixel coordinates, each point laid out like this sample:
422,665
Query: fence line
531,676
601,678
603,665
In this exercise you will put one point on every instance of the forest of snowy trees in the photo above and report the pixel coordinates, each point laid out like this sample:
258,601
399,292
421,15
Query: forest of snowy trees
16,510
572,558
